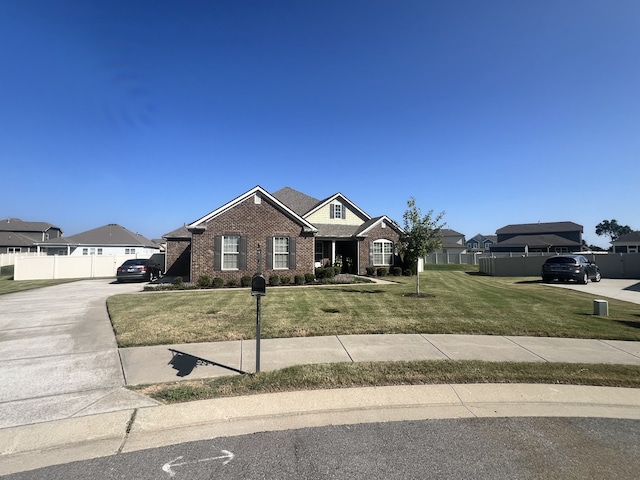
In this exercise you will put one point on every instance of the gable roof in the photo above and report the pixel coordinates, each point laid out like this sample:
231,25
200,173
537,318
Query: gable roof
295,200
17,225
333,197
265,196
369,224
540,228
111,234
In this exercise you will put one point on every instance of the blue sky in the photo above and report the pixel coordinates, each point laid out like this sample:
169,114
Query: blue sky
151,114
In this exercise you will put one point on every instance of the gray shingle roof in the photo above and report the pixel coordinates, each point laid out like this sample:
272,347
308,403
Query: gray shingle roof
181,232
337,231
17,225
629,237
551,227
13,239
295,200
111,234
538,240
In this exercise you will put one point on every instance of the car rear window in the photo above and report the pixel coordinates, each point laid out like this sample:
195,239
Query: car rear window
140,261
560,260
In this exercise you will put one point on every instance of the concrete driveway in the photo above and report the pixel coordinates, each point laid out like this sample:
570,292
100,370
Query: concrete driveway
627,290
59,354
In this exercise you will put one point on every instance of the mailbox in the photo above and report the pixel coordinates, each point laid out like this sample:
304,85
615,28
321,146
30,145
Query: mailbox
258,286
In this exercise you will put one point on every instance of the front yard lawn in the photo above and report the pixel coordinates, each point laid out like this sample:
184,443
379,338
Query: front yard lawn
457,302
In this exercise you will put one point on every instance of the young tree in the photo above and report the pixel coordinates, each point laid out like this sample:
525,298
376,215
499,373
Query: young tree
612,229
421,236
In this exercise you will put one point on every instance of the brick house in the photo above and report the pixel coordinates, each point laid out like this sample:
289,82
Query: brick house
295,233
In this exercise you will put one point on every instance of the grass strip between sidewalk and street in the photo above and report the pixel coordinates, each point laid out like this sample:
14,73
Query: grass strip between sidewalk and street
369,374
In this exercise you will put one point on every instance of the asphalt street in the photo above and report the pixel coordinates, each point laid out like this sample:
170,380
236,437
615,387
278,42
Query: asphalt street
499,448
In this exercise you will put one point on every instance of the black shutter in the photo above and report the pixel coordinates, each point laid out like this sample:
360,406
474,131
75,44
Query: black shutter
332,211
292,253
242,260
269,253
371,253
217,252
344,212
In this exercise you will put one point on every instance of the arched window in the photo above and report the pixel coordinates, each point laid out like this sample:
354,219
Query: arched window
382,252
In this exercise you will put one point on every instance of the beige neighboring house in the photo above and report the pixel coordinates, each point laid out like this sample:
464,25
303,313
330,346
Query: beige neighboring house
628,243
111,239
17,236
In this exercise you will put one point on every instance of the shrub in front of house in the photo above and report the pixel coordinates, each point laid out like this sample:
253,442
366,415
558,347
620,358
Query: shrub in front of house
274,280
382,272
218,282
396,271
204,281
284,280
371,271
406,272
245,281
299,279
232,282
178,281
309,278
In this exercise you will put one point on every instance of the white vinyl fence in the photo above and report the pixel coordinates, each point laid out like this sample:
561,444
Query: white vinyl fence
48,267
612,265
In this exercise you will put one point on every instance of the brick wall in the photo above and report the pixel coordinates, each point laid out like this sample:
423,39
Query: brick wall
376,233
256,221
178,258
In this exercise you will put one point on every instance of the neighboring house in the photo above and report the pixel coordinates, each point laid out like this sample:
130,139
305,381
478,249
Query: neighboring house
293,232
17,236
111,239
628,243
553,237
481,243
452,242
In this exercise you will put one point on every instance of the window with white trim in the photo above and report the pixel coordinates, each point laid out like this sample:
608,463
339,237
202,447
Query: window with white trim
382,252
14,249
129,251
230,252
280,253
85,251
319,252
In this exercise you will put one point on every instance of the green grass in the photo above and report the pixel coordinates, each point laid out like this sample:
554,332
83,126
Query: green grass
457,302
9,285
346,375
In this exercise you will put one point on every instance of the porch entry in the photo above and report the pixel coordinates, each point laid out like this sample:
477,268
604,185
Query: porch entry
342,253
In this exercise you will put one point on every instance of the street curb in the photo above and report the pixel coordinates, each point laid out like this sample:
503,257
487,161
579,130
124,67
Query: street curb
34,446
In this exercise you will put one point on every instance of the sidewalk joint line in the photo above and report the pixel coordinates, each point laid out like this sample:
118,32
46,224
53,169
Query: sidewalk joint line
434,346
525,348
345,349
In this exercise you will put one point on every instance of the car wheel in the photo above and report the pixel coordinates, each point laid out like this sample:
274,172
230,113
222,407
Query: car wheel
585,278
598,277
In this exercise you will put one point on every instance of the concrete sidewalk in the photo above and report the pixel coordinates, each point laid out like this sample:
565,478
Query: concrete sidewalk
127,429
144,365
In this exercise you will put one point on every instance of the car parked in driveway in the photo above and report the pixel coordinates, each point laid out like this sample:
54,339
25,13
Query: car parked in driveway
570,267
138,270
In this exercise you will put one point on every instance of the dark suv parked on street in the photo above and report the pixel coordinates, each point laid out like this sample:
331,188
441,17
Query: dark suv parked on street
570,267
